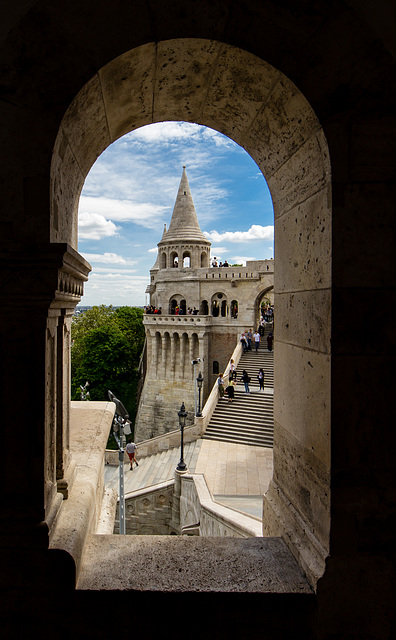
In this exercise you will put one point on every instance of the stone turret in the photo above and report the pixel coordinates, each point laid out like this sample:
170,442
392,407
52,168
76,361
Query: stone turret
203,311
184,244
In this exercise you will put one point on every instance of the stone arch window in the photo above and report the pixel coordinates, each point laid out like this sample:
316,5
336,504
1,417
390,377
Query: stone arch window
204,308
216,367
234,309
183,307
174,259
215,308
293,153
163,260
186,259
204,259
173,304
219,305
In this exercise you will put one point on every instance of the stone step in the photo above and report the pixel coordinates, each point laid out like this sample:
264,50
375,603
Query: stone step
249,419
153,469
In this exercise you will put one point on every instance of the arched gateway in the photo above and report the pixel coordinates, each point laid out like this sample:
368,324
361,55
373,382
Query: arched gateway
267,115
77,76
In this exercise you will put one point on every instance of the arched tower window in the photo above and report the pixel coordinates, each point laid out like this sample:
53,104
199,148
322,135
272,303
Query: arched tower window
204,310
216,368
174,259
234,308
163,260
204,259
186,259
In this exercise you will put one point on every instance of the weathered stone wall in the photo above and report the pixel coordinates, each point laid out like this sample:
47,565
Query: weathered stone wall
149,511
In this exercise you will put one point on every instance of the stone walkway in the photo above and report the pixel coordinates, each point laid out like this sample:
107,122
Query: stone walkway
237,475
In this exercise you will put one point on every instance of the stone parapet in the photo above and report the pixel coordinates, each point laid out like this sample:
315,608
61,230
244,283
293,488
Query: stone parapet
90,427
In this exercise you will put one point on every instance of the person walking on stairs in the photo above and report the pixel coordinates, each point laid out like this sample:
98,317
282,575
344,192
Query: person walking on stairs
220,384
230,391
245,379
131,451
261,379
232,371
256,338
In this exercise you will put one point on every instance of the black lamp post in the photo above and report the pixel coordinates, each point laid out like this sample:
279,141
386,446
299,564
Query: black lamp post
182,422
199,384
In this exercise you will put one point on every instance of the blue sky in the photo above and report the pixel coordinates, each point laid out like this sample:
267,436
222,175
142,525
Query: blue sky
130,193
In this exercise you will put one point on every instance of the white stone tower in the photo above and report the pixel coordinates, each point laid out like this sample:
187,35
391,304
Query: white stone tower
203,311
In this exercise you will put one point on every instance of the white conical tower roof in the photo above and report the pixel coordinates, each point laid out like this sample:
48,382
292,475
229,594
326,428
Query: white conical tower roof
184,225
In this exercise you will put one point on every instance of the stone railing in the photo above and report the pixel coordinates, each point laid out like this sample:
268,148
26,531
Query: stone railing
197,507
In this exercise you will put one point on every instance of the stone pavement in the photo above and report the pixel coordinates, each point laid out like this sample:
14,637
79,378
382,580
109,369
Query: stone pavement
237,475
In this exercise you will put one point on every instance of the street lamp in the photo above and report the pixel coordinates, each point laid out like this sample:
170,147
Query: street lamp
182,422
199,383
120,426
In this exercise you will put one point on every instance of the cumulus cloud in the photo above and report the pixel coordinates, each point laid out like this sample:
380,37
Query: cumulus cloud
176,132
256,232
93,226
143,213
108,258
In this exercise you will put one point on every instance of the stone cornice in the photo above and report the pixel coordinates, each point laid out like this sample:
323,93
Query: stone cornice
51,274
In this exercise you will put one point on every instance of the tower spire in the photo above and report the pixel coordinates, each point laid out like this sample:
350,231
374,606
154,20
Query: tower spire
184,224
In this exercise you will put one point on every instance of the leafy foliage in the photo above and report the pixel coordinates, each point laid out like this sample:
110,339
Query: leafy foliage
106,347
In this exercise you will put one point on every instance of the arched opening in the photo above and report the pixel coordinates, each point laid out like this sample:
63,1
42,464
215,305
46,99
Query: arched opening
163,260
174,259
291,151
204,308
204,259
234,309
183,307
186,259
223,309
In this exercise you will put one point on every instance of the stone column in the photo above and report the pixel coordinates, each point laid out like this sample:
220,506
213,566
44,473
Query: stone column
40,286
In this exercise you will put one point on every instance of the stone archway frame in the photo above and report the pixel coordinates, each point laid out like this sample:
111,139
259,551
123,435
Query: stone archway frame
253,103
259,296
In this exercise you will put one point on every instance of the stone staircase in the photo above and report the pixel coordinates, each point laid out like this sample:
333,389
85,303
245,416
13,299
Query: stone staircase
154,469
249,419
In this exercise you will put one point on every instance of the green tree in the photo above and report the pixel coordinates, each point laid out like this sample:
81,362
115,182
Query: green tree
106,347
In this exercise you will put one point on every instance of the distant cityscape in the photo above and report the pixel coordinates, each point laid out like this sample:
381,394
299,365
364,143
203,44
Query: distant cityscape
82,308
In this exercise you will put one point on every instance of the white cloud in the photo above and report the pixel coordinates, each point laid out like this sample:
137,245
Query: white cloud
144,213
256,232
153,250
176,132
108,258
93,226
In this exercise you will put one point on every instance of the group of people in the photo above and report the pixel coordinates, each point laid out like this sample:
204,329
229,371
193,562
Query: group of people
219,264
248,339
232,380
152,309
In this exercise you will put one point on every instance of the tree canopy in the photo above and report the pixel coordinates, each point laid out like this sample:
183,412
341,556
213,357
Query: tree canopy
107,343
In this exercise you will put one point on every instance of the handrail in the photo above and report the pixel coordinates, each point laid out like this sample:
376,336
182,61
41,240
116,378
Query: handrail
213,398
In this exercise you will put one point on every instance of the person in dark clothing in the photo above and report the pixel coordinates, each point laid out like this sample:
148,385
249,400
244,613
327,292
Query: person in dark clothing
230,390
270,339
245,379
